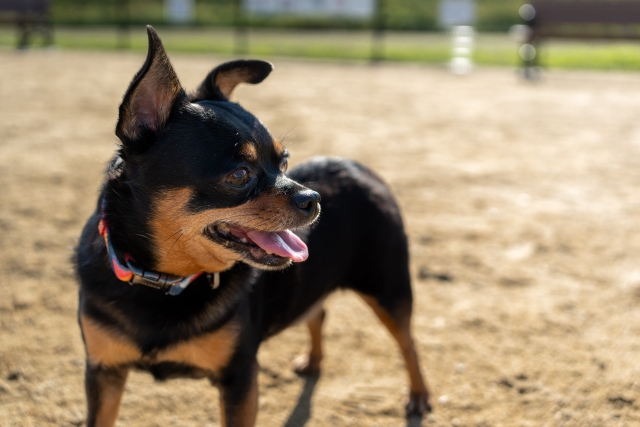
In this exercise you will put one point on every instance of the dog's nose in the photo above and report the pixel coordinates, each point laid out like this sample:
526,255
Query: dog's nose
307,202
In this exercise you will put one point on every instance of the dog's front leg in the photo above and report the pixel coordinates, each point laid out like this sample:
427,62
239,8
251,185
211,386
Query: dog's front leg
239,396
104,387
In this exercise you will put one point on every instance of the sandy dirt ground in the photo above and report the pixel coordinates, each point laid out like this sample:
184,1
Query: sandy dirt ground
522,204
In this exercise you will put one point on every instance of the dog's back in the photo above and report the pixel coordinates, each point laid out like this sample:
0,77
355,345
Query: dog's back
359,243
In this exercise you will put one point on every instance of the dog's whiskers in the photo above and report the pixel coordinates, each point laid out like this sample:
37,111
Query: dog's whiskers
284,137
173,244
172,235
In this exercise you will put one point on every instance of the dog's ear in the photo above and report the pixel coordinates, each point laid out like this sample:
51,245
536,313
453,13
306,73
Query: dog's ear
150,98
221,81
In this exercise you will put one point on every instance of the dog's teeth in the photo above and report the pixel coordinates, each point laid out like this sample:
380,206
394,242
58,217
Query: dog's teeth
223,228
244,240
269,253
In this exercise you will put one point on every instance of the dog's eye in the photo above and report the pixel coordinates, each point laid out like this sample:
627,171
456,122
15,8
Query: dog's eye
238,178
284,165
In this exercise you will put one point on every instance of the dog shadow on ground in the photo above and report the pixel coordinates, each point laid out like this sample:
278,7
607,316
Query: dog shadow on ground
415,421
301,413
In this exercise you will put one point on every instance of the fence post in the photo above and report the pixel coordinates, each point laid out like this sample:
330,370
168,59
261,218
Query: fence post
47,24
377,42
124,31
241,36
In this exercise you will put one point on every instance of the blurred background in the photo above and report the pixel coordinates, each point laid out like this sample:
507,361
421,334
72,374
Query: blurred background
397,30
520,198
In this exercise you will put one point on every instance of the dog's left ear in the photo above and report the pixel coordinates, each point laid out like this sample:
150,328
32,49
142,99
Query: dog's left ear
150,98
221,81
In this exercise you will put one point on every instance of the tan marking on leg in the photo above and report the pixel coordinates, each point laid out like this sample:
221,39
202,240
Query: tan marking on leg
182,249
210,352
106,347
223,412
309,364
315,330
245,413
111,396
400,330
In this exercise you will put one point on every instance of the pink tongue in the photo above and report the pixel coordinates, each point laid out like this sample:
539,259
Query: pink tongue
283,243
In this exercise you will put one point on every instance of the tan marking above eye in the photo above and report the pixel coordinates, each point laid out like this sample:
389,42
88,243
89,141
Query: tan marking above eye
278,147
248,150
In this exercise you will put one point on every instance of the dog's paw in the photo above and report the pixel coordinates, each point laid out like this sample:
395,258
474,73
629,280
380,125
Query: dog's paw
418,405
306,366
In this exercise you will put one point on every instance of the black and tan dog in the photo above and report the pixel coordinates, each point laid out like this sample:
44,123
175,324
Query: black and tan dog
195,206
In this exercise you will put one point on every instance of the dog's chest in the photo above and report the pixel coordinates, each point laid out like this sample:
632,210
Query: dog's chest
207,353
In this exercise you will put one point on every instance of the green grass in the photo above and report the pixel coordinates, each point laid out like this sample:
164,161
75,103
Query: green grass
599,55
491,49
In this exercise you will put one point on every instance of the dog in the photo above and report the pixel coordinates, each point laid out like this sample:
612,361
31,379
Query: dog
188,262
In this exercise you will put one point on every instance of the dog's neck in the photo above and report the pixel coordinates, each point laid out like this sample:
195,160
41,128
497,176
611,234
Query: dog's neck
132,273
128,264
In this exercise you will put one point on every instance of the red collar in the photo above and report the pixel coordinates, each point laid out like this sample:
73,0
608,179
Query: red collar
133,273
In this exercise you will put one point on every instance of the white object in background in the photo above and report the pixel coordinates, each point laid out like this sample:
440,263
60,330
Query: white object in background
348,8
452,13
458,16
463,42
527,12
519,33
179,11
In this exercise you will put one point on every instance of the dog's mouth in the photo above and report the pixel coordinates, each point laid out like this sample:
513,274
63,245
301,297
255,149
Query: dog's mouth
265,249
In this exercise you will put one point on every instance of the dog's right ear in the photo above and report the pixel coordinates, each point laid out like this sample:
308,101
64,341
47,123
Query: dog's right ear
149,100
221,81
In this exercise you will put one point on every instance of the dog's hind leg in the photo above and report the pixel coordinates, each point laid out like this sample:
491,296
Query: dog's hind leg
309,364
104,387
398,323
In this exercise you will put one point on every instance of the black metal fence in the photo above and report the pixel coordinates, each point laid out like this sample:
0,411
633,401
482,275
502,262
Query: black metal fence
493,15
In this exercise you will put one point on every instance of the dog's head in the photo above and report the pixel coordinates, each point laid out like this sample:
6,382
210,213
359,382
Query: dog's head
212,175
